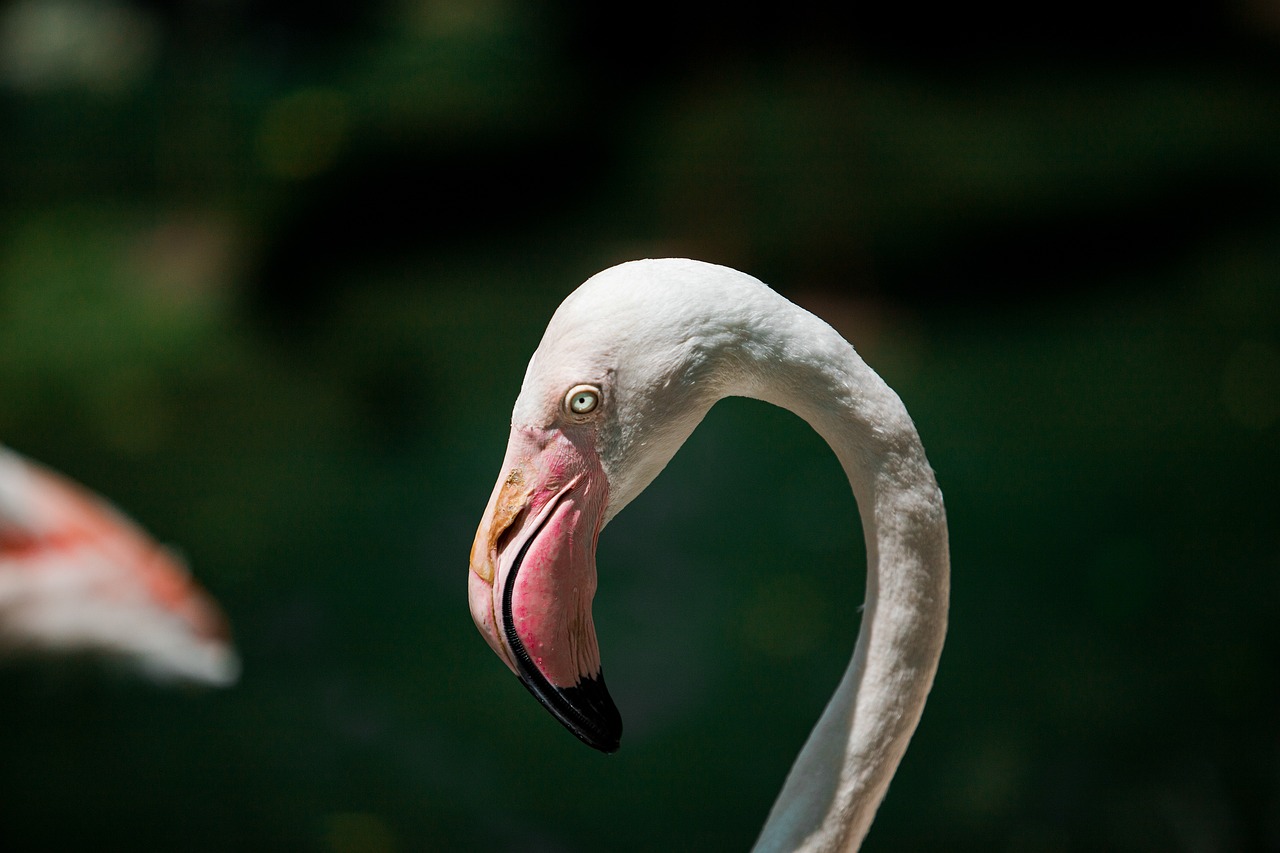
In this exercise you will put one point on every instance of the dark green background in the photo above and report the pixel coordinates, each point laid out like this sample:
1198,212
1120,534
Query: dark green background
270,279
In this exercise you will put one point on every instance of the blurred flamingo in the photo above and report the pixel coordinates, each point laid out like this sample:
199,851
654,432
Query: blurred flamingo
79,578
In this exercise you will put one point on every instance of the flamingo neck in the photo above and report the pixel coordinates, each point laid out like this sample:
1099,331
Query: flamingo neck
841,775
681,334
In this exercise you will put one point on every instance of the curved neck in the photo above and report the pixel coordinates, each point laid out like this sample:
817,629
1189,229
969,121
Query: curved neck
840,777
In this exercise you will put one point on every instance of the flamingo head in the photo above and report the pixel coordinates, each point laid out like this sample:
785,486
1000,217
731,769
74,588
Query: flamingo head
625,371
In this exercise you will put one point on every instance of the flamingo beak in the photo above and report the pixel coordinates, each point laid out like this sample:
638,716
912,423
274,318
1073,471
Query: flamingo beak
533,576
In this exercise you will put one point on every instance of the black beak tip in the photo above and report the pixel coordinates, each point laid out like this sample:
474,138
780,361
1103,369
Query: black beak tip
597,722
586,709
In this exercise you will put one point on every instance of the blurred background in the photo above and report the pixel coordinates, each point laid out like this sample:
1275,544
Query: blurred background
269,277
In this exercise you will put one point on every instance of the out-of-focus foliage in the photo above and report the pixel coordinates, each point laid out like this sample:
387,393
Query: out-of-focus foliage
270,281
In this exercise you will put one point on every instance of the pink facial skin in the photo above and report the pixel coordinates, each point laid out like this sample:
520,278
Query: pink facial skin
541,524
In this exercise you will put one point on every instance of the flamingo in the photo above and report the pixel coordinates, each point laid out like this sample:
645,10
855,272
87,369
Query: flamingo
627,368
78,577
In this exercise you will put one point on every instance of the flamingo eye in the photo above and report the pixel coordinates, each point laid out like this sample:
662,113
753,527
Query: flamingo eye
582,399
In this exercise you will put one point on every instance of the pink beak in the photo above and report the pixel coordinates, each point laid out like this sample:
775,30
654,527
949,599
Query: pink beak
533,576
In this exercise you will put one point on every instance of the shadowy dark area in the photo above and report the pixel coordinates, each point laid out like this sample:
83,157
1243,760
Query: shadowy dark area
425,196
1045,259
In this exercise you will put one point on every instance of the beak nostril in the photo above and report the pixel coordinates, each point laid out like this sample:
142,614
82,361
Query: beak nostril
509,531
